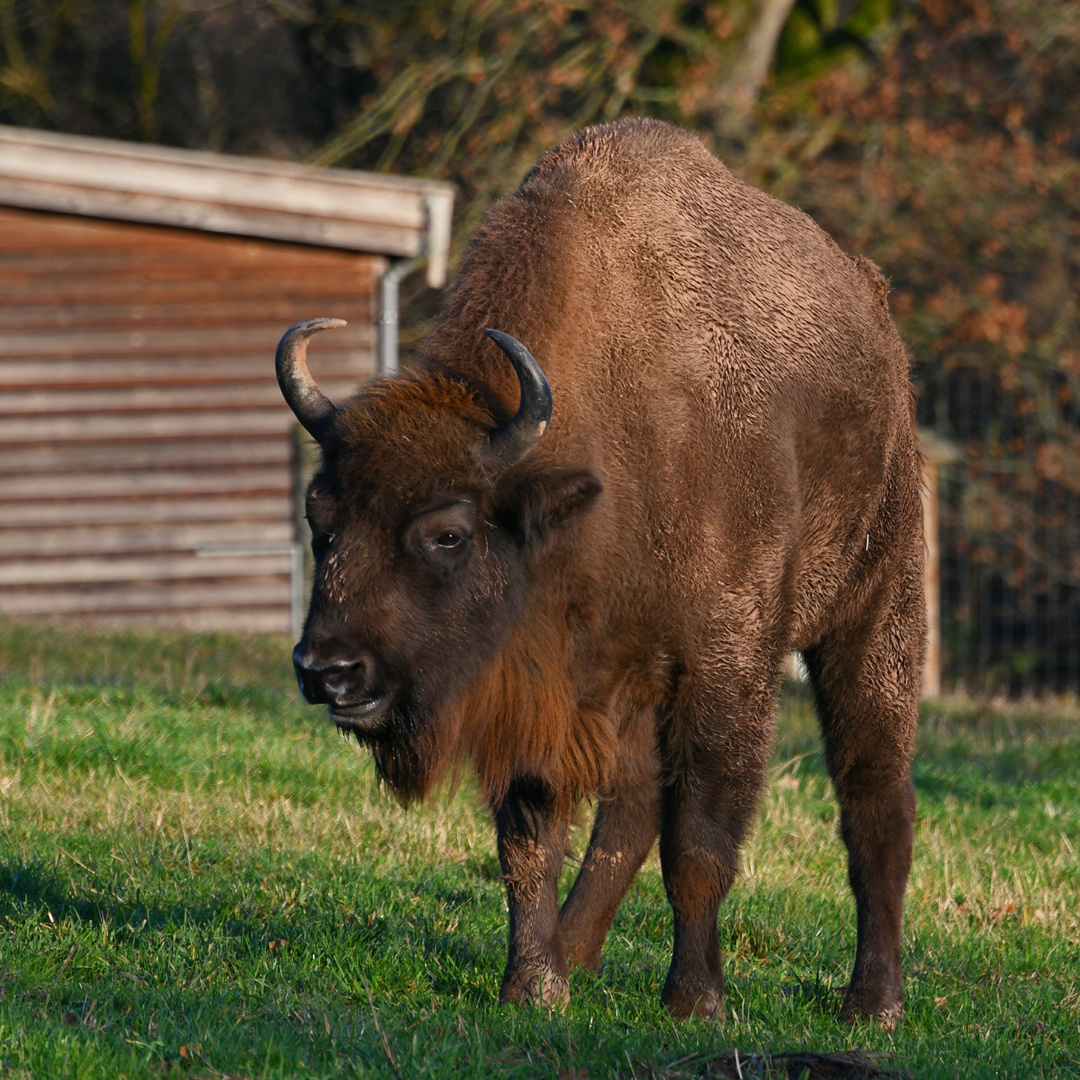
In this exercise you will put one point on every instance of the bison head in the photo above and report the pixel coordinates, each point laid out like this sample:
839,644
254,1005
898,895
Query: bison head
424,515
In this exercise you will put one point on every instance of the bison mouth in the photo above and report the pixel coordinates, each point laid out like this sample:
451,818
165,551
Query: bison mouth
362,717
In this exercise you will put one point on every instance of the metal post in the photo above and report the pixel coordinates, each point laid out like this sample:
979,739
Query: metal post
298,589
389,292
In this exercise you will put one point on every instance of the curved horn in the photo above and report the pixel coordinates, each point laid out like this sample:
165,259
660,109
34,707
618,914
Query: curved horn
523,431
312,407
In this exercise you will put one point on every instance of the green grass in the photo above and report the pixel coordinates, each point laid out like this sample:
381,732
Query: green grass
200,878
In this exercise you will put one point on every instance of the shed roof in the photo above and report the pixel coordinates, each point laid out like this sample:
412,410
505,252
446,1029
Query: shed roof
337,208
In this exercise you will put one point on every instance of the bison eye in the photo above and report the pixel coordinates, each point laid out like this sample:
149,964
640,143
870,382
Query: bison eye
442,536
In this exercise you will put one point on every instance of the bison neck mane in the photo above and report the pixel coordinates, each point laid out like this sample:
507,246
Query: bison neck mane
520,718
523,718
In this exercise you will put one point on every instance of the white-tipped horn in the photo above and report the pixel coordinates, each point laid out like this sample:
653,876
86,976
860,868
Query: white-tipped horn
312,407
523,431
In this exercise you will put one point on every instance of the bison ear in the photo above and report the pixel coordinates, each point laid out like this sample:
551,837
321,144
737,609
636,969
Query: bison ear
534,505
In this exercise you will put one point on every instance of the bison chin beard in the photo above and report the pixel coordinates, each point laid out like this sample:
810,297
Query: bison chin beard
407,751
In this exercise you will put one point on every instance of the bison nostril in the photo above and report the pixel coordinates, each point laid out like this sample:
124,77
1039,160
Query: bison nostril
343,680
335,681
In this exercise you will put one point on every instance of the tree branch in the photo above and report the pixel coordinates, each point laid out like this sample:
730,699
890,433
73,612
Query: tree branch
748,77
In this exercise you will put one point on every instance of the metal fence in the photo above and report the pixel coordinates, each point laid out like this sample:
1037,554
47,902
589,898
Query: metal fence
1009,528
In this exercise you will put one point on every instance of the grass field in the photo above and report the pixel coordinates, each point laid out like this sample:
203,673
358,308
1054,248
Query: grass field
199,877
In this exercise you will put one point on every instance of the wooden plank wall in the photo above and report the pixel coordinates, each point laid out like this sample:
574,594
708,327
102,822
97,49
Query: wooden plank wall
140,419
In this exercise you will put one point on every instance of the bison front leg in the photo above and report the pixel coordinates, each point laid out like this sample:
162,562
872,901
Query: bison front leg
532,839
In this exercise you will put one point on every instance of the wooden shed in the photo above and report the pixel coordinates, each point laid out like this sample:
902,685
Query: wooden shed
147,460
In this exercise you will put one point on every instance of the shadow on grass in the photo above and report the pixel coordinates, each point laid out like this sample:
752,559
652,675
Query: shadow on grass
986,755
118,691
44,653
35,885
800,1065
993,767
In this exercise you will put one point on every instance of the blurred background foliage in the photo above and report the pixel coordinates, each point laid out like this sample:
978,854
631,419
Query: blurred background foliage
939,137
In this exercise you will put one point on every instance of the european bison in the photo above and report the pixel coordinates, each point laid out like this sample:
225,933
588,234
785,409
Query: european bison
589,590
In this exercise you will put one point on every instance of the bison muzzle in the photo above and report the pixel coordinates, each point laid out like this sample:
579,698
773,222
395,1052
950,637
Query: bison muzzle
583,572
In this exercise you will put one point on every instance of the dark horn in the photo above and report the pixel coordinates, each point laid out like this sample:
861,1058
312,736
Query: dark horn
523,431
312,407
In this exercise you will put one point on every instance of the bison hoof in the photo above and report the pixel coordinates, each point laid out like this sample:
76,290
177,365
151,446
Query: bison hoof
686,1001
886,1009
546,988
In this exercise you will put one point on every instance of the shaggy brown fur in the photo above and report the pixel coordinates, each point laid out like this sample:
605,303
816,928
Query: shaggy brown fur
730,475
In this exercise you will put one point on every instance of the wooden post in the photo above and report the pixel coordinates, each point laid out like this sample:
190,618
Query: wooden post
931,687
936,452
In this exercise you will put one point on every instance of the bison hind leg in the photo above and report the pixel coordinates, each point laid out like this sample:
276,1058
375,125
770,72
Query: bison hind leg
624,830
866,681
708,806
